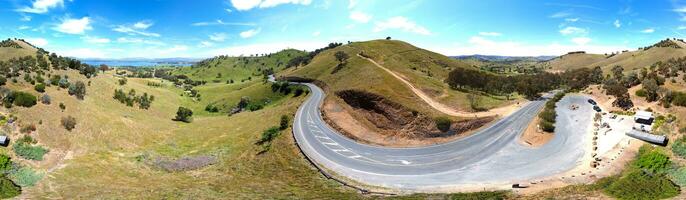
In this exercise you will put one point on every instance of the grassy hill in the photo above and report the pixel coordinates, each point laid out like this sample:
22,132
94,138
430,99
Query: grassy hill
15,48
425,69
630,60
226,68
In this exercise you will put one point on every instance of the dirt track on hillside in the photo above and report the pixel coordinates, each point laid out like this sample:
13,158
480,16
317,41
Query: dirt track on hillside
501,111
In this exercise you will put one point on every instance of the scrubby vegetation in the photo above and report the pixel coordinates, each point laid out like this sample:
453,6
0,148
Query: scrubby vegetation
645,178
184,115
8,189
549,114
26,148
130,98
68,122
443,123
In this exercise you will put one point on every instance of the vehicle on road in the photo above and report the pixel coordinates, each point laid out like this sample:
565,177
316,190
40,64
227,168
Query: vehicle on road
596,108
592,102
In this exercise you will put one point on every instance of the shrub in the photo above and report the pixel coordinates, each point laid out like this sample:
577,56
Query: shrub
123,81
62,106
211,108
5,162
298,91
3,80
68,122
269,135
254,106
39,87
654,161
28,151
24,99
184,115
64,83
547,126
678,176
284,122
28,128
641,185
641,93
78,89
8,189
443,123
45,99
26,177
679,147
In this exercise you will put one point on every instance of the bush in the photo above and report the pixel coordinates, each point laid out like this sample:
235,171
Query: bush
269,135
39,87
641,93
62,106
654,161
443,124
8,189
3,80
284,122
5,162
122,81
45,99
68,122
78,90
641,185
679,147
26,177
28,151
24,99
184,115
547,126
64,83
211,108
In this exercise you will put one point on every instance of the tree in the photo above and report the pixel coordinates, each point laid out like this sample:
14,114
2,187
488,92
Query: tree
78,89
651,88
388,38
184,115
104,67
284,122
122,81
39,87
341,56
45,99
443,124
68,122
24,99
618,72
7,188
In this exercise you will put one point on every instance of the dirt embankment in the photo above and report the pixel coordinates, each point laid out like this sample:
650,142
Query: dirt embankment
371,118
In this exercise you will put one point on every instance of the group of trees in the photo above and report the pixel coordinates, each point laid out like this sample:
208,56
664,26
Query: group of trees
548,115
305,59
131,98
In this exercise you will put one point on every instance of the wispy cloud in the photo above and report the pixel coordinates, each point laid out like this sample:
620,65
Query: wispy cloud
250,33
139,41
137,28
74,26
39,42
490,34
560,14
204,44
95,40
569,30
218,37
572,19
648,30
401,23
581,40
243,5
617,24
360,16
41,6
220,22
574,6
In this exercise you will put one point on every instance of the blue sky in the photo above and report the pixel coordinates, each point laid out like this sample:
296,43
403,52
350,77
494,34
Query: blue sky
161,29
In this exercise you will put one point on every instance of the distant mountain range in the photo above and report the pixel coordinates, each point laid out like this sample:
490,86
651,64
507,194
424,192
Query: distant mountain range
503,58
155,60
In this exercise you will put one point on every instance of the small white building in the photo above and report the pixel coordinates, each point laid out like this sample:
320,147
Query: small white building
4,140
644,121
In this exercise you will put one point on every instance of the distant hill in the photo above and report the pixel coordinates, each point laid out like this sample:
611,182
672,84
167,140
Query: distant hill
629,60
503,58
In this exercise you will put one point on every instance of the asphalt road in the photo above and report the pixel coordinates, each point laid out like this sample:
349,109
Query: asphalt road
490,156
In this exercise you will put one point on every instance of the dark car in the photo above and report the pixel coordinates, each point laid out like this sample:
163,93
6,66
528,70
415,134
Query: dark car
592,102
596,108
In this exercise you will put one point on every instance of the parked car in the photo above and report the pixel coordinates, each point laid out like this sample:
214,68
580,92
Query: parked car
596,108
592,102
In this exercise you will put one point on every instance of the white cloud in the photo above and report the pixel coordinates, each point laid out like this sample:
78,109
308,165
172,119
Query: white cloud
220,22
243,5
228,10
581,40
560,14
250,33
42,6
263,48
218,37
573,30
25,18
352,4
205,44
572,19
316,33
680,10
649,30
23,27
490,34
681,28
74,26
96,40
83,53
39,42
617,24
139,41
401,23
360,16
142,25
480,45
175,48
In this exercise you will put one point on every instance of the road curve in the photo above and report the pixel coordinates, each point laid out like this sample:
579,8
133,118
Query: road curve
493,155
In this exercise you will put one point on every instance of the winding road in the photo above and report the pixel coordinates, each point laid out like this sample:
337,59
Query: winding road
493,155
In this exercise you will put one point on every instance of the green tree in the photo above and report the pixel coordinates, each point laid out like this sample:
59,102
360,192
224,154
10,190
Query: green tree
78,89
184,115
443,124
39,87
284,122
